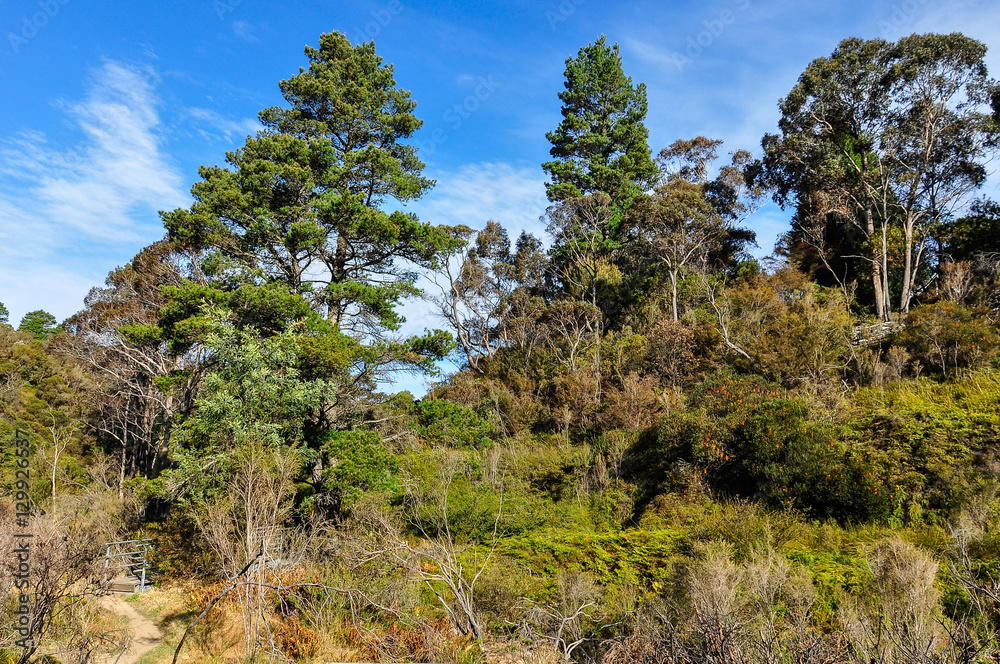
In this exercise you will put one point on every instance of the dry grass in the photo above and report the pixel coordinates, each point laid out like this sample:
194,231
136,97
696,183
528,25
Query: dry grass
219,637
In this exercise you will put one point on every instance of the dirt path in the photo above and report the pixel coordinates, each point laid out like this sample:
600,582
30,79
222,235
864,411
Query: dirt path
143,633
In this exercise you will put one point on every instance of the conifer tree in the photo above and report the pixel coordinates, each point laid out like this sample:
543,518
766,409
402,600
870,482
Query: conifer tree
307,202
601,145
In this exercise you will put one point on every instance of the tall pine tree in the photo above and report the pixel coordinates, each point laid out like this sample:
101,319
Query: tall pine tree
307,201
601,145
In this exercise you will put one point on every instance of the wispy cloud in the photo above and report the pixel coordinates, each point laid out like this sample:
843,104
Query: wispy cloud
514,195
69,215
245,31
655,55
220,126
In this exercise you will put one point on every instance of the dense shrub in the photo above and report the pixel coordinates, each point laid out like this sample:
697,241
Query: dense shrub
357,462
946,337
745,439
790,329
936,441
441,422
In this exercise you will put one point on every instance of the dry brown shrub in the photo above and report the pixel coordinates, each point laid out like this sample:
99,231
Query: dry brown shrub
297,641
516,651
900,620
570,619
66,559
672,346
433,640
958,281
574,399
634,406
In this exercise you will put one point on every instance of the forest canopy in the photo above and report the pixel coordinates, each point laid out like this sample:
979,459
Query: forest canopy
655,447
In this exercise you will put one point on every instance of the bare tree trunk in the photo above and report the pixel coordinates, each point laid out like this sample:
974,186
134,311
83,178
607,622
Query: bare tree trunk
121,473
886,304
673,293
908,264
878,268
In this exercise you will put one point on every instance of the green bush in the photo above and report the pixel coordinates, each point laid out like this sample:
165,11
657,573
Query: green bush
743,438
629,557
936,441
358,462
441,422
946,337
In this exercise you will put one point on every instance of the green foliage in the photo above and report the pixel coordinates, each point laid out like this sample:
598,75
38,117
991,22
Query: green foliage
833,573
305,201
256,395
249,352
947,337
932,440
977,232
42,393
4,314
447,494
744,438
874,139
445,423
640,558
601,143
191,308
39,323
793,330
678,228
358,462
324,355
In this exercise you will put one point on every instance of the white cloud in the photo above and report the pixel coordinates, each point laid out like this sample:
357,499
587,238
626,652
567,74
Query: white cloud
68,214
232,130
245,31
673,62
476,193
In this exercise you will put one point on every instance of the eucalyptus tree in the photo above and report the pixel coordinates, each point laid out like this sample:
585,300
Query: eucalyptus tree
478,283
890,138
691,220
679,230
144,373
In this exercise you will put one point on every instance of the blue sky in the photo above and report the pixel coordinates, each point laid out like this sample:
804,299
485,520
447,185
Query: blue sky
108,109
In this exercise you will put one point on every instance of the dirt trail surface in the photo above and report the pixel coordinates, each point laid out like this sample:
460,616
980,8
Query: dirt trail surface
143,632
